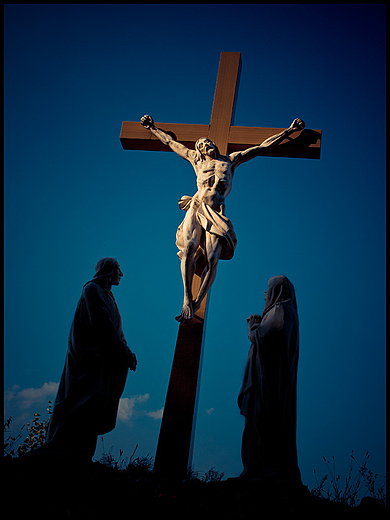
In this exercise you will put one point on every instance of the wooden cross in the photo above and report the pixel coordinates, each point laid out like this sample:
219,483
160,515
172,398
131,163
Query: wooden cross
305,144
174,449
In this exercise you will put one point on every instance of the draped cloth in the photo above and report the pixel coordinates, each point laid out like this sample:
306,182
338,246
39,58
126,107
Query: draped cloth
95,371
212,222
268,394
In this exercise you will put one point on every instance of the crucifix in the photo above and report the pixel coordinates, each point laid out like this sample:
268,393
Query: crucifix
206,235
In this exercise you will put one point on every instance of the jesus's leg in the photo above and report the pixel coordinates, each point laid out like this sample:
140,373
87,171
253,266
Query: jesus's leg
192,233
213,248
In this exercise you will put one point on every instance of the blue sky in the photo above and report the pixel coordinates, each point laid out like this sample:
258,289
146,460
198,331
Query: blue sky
73,73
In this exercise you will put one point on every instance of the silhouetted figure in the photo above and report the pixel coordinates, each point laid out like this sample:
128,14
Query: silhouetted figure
95,371
268,394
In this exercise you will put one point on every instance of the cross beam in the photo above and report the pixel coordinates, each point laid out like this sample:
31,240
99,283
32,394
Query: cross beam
174,449
305,144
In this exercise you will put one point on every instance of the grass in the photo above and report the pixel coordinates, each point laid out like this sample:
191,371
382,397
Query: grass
349,492
113,486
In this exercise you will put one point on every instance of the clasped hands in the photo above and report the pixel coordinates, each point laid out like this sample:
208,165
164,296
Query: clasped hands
254,319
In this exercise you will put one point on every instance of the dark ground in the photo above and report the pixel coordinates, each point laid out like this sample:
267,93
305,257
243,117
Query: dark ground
43,488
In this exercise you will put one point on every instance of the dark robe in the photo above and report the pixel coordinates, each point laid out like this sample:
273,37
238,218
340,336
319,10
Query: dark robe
268,394
94,375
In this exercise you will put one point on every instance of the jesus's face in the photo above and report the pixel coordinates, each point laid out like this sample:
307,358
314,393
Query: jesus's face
206,147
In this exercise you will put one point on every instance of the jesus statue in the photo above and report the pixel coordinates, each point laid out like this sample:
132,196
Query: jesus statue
205,228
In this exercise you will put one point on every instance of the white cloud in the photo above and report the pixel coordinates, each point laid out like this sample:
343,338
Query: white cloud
31,396
157,414
210,411
10,393
128,408
19,400
127,405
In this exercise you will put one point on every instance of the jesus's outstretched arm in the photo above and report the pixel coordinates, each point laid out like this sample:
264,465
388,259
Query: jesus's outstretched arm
241,157
180,149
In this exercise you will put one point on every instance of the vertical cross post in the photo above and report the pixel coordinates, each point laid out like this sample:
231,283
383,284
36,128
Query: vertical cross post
225,99
175,443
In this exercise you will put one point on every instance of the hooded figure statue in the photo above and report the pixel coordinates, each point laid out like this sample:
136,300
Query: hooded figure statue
268,396
95,372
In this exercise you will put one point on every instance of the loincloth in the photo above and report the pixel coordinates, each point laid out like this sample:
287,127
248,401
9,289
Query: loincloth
211,222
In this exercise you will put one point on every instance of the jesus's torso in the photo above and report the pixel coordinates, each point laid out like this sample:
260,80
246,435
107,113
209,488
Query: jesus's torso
214,180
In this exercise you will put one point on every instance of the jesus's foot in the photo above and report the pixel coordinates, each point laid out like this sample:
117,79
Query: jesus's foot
186,313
